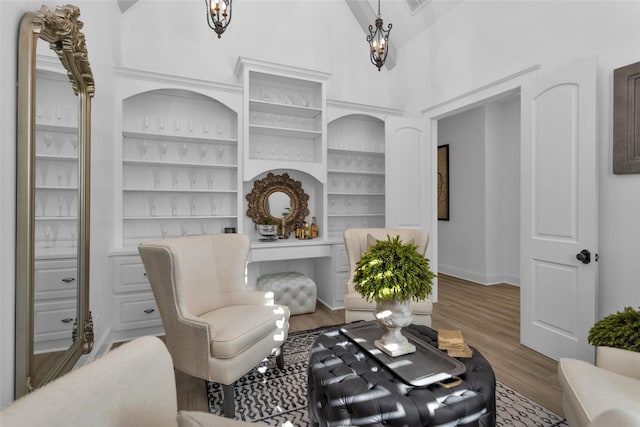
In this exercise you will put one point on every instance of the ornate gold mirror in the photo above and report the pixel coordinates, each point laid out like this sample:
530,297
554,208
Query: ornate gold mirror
278,199
52,198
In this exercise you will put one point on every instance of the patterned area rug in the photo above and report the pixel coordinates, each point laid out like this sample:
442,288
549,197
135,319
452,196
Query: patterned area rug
279,398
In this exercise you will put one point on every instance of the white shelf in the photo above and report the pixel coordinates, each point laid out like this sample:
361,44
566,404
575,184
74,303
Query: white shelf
178,190
262,106
354,172
162,163
48,127
284,132
177,217
179,138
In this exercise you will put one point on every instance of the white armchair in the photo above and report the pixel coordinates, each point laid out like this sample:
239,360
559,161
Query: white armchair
131,386
216,329
357,241
604,394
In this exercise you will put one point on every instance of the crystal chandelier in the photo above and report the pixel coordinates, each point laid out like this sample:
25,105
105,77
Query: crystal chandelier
218,15
378,41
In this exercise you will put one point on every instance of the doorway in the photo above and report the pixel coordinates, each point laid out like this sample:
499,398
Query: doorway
480,241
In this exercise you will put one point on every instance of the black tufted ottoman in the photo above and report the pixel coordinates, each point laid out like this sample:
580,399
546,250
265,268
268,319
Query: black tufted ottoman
346,386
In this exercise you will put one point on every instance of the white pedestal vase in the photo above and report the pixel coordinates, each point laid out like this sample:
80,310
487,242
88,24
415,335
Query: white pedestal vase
394,315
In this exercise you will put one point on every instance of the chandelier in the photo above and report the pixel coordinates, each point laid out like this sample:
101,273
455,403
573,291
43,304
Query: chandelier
378,41
218,15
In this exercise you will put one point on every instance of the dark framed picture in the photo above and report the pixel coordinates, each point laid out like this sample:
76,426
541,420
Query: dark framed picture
443,182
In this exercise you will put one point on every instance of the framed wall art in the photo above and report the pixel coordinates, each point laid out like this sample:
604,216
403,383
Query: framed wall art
626,119
443,182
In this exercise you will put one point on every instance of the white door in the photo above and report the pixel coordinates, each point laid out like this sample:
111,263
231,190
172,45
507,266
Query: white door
559,211
408,178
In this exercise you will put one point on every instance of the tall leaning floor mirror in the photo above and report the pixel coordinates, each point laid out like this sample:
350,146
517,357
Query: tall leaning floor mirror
53,322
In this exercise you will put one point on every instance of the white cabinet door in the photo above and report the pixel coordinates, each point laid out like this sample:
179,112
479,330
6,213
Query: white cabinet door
559,211
409,178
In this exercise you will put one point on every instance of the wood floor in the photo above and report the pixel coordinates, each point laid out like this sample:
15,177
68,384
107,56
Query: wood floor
489,317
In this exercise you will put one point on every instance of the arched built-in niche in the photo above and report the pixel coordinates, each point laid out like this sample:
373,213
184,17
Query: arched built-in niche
355,173
179,165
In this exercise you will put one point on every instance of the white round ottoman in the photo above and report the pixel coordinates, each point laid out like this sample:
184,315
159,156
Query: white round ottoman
292,289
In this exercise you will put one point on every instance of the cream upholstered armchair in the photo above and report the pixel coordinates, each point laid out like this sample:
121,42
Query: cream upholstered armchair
604,394
131,386
216,329
357,241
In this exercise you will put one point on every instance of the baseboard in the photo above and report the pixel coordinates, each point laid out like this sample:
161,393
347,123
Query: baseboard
479,278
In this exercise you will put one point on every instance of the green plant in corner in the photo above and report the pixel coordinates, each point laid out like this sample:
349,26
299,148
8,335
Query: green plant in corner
391,269
619,330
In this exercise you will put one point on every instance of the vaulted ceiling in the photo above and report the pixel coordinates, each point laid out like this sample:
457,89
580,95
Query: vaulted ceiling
408,17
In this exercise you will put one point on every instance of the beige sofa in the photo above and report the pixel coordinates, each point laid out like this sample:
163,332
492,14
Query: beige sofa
133,385
605,394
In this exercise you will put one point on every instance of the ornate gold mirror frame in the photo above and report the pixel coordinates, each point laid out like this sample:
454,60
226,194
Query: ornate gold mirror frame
258,199
61,29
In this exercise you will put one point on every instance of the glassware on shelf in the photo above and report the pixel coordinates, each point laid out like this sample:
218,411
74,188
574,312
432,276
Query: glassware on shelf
213,205
72,234
204,227
163,147
55,229
205,127
68,199
193,204
178,125
143,146
173,201
174,178
60,174
184,229
44,198
151,200
155,172
220,153
161,122
163,230
73,139
210,179
183,150
203,150
193,179
60,204
47,236
68,170
43,167
48,140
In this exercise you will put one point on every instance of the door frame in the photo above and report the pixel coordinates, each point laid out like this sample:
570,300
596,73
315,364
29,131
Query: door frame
501,88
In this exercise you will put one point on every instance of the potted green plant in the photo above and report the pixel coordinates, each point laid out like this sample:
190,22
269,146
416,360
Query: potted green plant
392,274
619,330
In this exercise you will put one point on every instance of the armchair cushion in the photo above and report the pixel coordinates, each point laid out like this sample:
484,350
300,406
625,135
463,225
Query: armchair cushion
234,332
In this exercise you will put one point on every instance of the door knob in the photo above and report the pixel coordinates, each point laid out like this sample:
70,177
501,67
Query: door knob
584,256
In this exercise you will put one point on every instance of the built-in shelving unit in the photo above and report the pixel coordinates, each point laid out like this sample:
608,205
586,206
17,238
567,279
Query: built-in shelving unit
179,165
355,174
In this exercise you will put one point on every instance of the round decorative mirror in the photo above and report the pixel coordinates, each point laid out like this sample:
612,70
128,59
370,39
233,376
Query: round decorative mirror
278,199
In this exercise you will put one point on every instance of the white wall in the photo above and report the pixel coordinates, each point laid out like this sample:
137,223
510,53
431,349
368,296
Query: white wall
461,240
480,42
481,241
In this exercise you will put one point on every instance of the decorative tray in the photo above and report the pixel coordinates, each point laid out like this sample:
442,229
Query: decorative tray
426,366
